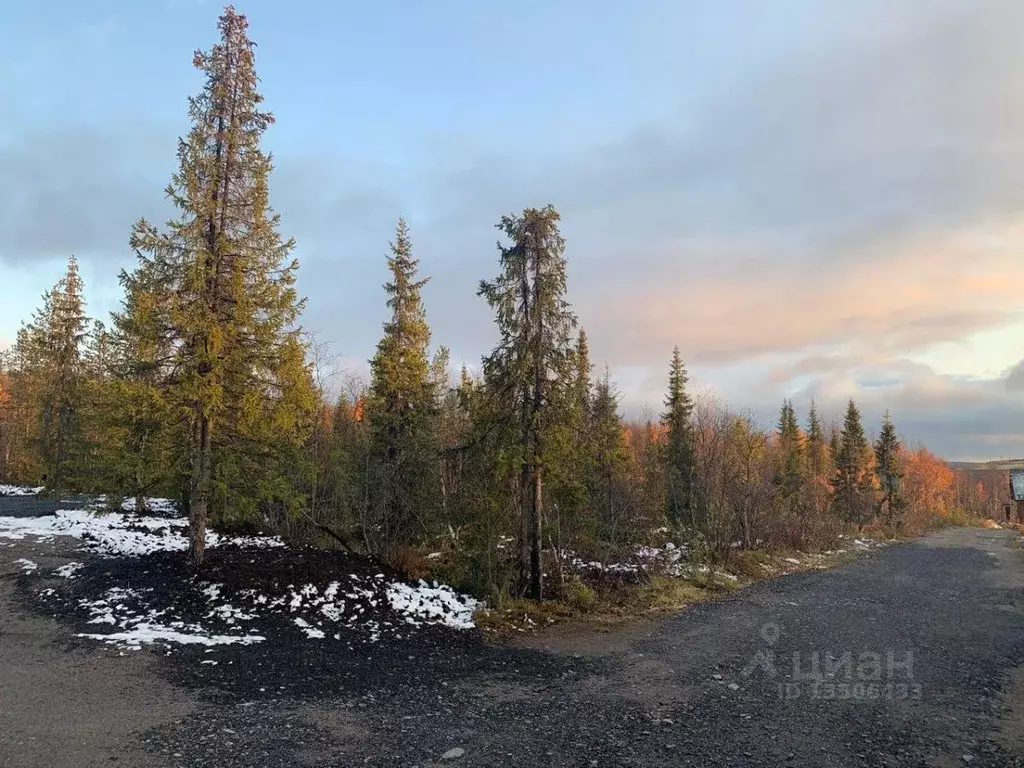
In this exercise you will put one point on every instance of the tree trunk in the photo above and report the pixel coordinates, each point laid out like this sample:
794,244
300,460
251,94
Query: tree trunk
536,574
199,491
525,507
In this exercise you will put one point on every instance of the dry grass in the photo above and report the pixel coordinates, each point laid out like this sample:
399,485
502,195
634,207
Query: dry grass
661,595
585,606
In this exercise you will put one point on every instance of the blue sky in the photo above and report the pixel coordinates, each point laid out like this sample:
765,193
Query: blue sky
812,197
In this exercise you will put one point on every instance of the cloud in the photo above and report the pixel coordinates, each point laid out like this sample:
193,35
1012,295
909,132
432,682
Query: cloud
841,206
78,189
1015,378
927,291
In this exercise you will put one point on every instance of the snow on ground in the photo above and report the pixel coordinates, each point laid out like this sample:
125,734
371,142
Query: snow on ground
19,490
136,623
669,560
718,573
26,565
361,611
429,603
359,607
857,544
69,570
111,533
165,506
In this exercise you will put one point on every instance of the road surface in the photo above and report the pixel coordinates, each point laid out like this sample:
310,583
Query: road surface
912,656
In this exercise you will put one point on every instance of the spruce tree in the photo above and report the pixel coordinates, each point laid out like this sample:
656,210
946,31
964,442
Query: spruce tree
790,477
137,412
223,280
887,468
49,373
530,368
854,488
816,446
571,450
610,460
402,404
583,369
834,442
818,463
679,449
94,439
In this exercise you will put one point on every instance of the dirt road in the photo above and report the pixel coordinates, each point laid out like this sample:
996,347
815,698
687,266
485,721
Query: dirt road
913,656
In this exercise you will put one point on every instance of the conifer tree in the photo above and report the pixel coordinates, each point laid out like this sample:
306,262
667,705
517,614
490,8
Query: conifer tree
887,468
571,450
49,376
94,441
610,460
834,441
223,279
582,384
143,450
854,489
818,462
679,451
816,446
530,368
790,478
402,405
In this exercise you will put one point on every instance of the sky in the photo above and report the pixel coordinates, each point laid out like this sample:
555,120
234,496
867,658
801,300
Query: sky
812,198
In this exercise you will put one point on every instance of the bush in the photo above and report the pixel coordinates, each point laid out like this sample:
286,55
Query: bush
579,596
411,562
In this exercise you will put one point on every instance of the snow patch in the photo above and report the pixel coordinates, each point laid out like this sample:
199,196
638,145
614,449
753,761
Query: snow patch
26,565
438,604
20,490
152,632
309,629
164,506
117,534
362,606
68,571
126,610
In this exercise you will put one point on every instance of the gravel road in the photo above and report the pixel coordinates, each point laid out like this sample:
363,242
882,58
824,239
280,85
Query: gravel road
912,656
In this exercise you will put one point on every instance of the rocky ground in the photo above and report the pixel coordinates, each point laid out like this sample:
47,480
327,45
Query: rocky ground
909,656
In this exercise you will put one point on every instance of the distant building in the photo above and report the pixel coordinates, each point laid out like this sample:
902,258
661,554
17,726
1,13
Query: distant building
1016,494
1017,484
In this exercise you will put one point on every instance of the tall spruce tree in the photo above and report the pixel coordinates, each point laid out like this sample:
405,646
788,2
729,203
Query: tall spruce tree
834,443
790,477
854,489
679,449
224,281
818,461
402,404
572,450
137,413
49,374
887,468
582,386
94,440
532,365
816,444
610,461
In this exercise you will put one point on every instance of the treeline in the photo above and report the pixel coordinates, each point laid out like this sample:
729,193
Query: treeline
203,387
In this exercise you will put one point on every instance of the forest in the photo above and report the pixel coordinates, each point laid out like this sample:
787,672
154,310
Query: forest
205,388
